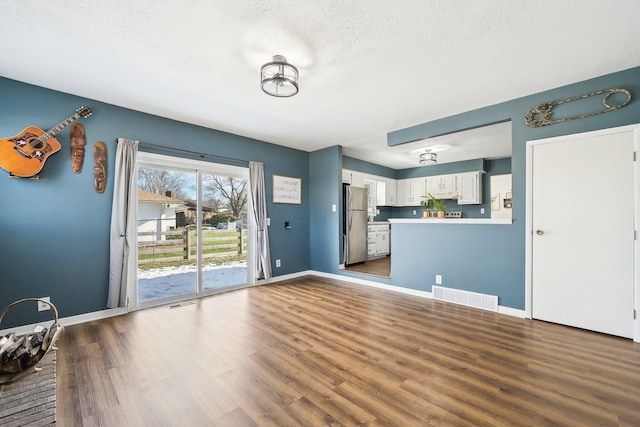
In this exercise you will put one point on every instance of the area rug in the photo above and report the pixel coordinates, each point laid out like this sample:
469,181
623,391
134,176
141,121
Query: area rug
31,400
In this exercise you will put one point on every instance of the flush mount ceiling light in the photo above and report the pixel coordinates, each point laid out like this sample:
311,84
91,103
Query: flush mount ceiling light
428,158
279,78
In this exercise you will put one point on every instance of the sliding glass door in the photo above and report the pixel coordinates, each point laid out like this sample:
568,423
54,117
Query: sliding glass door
192,229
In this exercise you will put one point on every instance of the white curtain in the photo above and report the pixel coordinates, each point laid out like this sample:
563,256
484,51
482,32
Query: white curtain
122,212
262,254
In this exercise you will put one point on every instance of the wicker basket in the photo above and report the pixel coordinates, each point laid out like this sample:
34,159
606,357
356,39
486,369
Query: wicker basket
19,354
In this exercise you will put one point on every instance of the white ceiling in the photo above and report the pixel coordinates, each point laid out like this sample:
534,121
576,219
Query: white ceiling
367,67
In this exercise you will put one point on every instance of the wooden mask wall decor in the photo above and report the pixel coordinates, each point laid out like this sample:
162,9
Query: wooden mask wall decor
100,168
77,145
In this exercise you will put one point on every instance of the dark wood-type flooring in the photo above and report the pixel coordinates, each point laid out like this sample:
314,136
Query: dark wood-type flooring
377,267
314,351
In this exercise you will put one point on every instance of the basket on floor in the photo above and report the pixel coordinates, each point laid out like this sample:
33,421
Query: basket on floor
19,354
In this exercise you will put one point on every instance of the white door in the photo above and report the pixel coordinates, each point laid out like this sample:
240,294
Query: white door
582,221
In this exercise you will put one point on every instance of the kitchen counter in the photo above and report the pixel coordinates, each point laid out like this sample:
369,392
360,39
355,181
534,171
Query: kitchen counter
487,221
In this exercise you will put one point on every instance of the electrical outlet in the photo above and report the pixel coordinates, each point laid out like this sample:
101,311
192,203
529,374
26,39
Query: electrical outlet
278,263
334,208
414,211
42,306
438,279
481,211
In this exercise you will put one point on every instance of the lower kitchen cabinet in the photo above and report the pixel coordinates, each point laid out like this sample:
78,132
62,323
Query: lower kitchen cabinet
378,240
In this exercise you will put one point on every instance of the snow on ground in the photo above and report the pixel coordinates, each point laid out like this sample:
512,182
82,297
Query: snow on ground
169,281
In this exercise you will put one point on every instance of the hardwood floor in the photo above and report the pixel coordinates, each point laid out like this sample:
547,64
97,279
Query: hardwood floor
377,267
314,351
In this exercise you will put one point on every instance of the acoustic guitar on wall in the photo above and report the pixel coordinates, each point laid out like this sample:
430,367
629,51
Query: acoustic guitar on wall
25,154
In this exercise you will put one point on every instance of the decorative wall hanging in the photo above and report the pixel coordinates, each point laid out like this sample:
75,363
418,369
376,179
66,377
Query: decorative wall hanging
100,168
77,143
25,154
540,115
287,190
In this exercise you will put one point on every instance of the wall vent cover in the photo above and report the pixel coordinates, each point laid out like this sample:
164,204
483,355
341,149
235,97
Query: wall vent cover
470,299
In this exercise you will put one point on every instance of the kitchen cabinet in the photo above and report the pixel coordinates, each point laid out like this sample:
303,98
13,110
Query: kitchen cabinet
470,188
386,193
382,189
378,240
442,186
391,192
411,191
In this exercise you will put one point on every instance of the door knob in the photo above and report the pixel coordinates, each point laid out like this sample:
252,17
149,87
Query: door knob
539,232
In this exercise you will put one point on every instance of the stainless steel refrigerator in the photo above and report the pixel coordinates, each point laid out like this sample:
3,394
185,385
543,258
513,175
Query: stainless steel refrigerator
355,224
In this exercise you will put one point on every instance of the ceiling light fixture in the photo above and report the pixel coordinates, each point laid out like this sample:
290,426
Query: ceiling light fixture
428,158
279,78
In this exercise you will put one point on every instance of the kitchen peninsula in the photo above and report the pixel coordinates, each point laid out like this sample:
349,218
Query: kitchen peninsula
471,254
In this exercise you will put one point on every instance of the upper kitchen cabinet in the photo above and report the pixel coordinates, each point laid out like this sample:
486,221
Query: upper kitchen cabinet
442,186
391,192
411,191
470,188
382,190
386,192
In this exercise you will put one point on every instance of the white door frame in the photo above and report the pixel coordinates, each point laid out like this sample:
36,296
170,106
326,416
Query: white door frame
528,295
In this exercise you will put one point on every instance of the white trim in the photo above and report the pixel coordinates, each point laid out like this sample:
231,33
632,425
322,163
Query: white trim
186,163
515,312
71,320
528,290
104,314
509,311
484,221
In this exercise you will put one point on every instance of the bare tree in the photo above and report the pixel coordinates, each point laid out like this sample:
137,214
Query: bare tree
228,191
159,181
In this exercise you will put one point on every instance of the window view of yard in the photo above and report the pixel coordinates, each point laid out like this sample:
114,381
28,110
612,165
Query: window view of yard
167,235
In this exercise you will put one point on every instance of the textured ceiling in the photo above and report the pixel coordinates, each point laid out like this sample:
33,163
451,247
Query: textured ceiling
367,67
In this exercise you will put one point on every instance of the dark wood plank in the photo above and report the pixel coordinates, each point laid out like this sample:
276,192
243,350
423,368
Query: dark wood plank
314,351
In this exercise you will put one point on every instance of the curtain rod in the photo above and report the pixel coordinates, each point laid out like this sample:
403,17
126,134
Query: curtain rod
164,147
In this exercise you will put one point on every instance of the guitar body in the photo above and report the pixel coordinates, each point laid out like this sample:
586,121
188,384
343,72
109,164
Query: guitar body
24,155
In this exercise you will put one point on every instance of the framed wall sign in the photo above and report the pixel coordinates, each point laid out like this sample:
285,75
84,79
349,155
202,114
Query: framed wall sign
287,189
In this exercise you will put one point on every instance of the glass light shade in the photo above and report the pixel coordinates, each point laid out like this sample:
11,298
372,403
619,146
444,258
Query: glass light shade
428,158
279,78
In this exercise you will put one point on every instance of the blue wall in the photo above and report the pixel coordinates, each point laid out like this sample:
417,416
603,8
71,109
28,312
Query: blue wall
325,174
54,232
491,259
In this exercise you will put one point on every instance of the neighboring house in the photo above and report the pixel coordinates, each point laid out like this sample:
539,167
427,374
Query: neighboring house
158,214
191,212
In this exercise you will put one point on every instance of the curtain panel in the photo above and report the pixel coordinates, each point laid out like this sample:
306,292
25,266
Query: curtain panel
122,213
262,254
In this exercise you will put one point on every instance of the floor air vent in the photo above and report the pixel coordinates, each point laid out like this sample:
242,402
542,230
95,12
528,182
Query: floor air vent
470,299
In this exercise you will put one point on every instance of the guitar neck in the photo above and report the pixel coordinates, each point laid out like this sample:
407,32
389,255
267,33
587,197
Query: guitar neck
58,128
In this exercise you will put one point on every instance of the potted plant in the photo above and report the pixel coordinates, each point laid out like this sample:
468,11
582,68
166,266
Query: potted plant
439,206
427,205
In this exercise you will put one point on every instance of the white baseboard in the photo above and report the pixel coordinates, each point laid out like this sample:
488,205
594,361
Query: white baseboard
515,312
103,314
424,294
71,320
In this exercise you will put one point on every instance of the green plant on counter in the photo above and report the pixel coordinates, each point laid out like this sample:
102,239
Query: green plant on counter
438,205
426,204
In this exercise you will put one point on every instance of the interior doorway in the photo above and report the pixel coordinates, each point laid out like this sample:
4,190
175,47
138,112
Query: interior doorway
192,231
582,210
